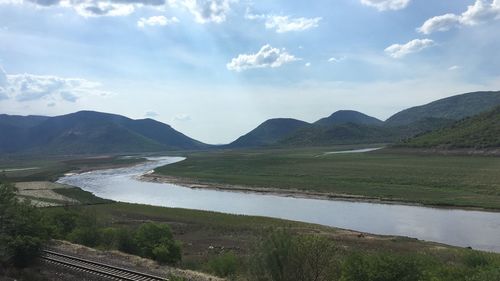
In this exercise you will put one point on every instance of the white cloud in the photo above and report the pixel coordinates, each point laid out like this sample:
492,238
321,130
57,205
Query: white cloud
100,8
439,23
156,20
286,24
68,96
3,84
383,5
267,56
11,1
3,94
206,11
334,59
414,46
3,77
482,11
151,114
307,64
93,8
454,67
182,118
29,87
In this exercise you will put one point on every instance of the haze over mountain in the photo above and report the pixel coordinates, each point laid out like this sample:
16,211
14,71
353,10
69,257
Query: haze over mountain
88,132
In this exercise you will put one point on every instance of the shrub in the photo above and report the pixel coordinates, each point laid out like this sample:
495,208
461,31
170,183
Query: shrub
61,222
283,257
125,241
224,265
486,274
22,233
476,259
156,241
381,267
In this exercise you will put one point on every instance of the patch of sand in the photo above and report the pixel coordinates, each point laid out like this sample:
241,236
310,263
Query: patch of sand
42,194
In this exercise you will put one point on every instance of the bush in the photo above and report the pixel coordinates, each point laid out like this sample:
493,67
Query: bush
487,274
125,241
381,267
224,265
156,241
476,259
22,233
61,222
108,237
283,257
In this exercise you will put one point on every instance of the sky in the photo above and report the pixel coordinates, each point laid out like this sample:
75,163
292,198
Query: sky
215,69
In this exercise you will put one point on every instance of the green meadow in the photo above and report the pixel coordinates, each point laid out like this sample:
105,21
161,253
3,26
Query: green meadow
431,179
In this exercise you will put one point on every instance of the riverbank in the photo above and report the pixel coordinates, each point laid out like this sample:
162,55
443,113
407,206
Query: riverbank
294,193
447,181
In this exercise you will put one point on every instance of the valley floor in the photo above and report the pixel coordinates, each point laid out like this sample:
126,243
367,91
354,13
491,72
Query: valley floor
465,181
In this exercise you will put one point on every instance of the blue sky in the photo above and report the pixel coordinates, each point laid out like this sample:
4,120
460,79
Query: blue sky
215,69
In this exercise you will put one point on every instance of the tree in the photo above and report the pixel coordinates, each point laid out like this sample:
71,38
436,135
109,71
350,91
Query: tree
22,233
156,241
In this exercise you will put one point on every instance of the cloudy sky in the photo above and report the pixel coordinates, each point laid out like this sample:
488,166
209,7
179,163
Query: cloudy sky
214,69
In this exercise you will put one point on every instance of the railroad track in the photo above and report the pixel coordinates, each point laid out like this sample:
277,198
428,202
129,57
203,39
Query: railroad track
97,268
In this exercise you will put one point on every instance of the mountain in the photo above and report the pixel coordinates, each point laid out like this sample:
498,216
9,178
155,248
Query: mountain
268,133
348,116
347,133
451,108
88,132
479,132
21,121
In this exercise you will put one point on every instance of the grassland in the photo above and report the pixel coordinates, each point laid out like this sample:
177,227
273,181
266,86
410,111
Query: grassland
446,180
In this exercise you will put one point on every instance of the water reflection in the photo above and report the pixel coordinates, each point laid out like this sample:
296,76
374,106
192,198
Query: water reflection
477,229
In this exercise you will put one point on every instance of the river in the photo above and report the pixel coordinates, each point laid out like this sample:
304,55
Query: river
465,228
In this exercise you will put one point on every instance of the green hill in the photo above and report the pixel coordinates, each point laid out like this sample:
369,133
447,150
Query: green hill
478,132
88,132
348,116
268,133
348,133
454,108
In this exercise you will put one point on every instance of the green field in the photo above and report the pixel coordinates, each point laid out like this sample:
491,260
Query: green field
464,181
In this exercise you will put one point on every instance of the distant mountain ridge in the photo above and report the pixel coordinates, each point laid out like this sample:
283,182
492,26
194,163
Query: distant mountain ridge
451,108
348,126
88,132
348,116
268,133
481,131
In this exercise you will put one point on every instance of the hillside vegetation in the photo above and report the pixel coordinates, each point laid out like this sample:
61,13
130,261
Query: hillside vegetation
269,132
454,108
348,116
352,127
478,132
88,132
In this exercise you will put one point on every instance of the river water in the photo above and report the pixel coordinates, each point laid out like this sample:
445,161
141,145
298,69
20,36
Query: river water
477,229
